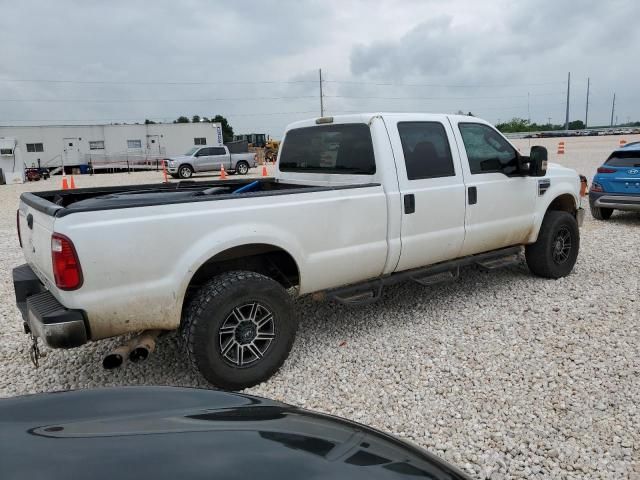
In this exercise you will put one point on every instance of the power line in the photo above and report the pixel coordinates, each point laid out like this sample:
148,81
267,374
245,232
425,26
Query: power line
265,82
170,119
400,84
127,82
151,100
441,98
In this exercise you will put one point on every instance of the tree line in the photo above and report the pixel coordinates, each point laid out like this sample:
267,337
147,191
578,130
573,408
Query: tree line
517,125
227,129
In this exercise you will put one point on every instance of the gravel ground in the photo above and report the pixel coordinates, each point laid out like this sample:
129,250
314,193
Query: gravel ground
502,373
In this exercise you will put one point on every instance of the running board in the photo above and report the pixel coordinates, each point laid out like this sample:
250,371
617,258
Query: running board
500,262
434,278
371,291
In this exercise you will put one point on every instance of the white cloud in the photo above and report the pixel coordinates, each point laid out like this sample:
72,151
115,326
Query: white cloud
507,47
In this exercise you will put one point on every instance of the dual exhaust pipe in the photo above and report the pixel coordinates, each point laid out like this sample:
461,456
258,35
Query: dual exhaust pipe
136,350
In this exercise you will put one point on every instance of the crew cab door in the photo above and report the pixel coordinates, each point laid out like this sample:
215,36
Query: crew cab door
432,188
203,160
500,201
220,156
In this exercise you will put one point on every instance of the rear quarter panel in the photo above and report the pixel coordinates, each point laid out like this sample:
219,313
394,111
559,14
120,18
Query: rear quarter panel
137,262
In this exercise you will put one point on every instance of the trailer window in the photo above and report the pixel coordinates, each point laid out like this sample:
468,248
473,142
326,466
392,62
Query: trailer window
343,149
35,147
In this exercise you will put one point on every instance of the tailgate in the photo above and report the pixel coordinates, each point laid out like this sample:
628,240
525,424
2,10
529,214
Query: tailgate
627,180
36,228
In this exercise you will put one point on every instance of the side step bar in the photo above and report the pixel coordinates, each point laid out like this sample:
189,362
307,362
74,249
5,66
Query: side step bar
371,291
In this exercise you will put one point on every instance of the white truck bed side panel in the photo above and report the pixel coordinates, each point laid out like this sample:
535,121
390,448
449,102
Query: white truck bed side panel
336,237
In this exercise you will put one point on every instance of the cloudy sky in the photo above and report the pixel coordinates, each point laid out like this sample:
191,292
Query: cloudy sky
256,62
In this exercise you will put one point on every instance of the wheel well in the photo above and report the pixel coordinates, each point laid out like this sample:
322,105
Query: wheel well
185,165
564,203
268,260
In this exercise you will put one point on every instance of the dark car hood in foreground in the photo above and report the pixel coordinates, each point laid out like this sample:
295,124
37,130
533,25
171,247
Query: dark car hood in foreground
184,433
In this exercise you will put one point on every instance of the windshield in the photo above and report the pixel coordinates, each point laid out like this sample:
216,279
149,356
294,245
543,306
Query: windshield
192,151
624,159
344,148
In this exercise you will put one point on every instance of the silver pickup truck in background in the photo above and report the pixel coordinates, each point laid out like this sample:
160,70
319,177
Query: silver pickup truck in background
209,159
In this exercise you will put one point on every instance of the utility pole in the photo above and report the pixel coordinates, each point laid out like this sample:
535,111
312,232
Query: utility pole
566,123
321,99
586,113
528,109
613,107
549,121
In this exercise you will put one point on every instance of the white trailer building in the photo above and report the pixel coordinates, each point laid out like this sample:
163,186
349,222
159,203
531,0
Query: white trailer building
102,146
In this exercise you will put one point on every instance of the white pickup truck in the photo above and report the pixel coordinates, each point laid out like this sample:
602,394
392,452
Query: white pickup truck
358,202
209,159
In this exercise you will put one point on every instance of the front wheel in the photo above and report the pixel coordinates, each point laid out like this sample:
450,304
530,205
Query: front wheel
239,329
555,252
242,168
185,171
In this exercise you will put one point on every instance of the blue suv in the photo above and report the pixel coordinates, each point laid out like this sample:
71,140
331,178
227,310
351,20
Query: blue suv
616,186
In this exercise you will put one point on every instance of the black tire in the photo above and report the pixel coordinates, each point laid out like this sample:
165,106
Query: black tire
185,171
600,213
242,167
216,306
555,252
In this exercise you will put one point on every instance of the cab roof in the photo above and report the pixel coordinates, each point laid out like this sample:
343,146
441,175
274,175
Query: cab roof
366,117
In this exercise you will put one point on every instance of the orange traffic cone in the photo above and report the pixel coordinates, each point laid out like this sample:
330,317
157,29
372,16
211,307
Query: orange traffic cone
264,171
72,185
164,171
560,148
223,175
622,142
65,185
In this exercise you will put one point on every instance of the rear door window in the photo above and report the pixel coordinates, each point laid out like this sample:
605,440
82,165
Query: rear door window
624,159
426,150
217,151
487,151
342,149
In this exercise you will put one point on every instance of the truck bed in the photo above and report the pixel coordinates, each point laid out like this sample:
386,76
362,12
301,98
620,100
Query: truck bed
59,203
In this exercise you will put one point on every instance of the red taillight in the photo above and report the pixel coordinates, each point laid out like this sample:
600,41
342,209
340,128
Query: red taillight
606,170
18,225
66,266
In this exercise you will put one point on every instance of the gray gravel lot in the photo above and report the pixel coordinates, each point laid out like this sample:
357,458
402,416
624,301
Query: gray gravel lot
502,373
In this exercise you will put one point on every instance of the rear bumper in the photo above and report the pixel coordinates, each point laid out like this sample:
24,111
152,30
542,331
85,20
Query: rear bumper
614,200
43,315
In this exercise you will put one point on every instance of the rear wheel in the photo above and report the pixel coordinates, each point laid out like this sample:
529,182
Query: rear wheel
185,171
600,213
242,168
239,329
555,252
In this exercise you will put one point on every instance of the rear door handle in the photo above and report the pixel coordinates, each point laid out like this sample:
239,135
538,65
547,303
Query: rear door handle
409,203
472,195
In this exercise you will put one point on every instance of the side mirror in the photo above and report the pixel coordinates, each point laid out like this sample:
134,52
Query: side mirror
538,161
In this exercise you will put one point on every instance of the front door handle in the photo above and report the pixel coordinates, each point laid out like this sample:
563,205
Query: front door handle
472,195
409,203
